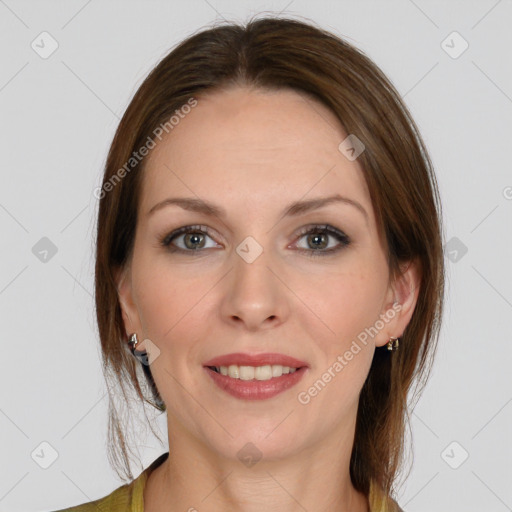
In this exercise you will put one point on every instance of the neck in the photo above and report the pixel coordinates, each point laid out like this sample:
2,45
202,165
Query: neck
194,479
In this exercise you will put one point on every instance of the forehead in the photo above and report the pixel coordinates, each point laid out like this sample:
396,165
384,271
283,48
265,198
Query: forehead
246,146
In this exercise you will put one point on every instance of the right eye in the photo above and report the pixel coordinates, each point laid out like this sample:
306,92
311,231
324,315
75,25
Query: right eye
193,239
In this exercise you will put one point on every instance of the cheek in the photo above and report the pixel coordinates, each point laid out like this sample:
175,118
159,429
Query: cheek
159,294
171,303
346,303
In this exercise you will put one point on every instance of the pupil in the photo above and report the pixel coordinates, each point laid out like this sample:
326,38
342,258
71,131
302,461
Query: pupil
193,238
317,237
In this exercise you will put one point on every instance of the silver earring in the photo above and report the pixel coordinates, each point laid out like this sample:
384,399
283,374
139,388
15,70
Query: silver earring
143,358
133,342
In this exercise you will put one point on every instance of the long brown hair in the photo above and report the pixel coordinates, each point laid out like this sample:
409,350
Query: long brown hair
276,53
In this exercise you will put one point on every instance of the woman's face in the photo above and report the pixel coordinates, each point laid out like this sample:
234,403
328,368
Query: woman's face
253,281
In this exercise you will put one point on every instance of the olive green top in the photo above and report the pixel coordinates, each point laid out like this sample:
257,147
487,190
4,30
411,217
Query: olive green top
130,497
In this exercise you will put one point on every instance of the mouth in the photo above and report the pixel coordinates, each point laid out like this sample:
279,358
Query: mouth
255,377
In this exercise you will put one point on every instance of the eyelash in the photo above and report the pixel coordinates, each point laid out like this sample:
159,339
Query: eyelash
319,228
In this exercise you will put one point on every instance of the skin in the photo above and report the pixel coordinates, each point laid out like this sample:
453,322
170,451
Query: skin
253,152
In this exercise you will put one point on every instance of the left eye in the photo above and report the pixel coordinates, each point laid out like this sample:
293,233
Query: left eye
317,237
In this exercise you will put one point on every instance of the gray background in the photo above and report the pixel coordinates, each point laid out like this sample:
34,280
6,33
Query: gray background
58,116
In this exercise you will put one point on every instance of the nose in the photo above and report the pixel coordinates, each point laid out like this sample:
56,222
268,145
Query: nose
255,297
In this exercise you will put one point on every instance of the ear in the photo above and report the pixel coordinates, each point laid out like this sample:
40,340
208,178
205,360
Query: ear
400,302
129,309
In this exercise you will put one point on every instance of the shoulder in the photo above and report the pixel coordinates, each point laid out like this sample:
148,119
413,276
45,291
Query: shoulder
117,500
394,506
380,502
128,497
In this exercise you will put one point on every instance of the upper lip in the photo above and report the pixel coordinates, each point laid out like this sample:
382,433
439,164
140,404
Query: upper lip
241,359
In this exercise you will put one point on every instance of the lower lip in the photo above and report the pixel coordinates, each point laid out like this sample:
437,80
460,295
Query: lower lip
256,389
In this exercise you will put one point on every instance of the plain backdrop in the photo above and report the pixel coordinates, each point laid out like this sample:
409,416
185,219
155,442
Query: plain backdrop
58,113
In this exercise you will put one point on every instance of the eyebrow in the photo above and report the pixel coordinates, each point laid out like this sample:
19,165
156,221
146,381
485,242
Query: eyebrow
293,209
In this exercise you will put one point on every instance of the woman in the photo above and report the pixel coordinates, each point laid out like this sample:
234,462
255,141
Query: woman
269,247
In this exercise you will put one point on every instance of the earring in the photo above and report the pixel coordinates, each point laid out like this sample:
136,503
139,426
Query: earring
140,355
133,342
393,343
144,360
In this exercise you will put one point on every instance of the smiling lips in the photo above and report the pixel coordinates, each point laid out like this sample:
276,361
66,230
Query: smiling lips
255,377
241,359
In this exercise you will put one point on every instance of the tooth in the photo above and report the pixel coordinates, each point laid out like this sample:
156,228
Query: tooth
233,371
277,370
263,372
246,372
